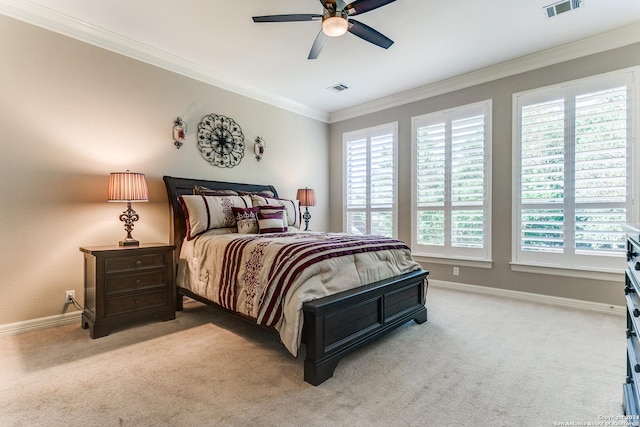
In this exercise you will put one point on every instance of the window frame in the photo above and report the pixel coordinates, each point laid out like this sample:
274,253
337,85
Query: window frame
546,262
476,257
368,134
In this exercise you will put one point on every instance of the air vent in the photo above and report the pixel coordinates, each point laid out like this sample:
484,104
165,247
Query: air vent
338,87
561,7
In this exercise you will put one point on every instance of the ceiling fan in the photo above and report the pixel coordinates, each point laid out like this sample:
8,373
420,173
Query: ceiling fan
336,20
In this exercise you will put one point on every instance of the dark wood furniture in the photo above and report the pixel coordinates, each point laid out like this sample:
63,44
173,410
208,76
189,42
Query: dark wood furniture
124,285
631,388
335,325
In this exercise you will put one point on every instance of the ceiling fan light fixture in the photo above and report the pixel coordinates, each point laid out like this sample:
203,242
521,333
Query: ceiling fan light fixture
334,25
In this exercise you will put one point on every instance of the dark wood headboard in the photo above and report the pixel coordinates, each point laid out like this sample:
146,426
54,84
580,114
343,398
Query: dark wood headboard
183,186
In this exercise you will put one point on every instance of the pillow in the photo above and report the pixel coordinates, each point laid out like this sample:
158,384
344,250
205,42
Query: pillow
263,193
203,213
247,219
271,222
292,206
275,209
204,191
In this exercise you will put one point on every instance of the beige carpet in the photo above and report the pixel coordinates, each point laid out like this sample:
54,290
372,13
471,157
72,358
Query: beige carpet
479,361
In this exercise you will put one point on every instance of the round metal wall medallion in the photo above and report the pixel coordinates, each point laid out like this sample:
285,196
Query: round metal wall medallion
220,141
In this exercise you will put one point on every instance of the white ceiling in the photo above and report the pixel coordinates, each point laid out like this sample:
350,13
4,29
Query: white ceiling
217,41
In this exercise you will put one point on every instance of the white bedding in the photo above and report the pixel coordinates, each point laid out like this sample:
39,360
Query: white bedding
268,277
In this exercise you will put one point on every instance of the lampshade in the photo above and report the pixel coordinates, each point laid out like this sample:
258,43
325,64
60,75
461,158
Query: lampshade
128,187
306,196
334,26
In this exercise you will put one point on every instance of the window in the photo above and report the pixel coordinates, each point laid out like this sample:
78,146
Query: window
370,180
452,183
573,172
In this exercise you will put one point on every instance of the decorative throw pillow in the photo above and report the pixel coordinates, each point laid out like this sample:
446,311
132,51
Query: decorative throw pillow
292,206
204,191
247,219
275,209
271,222
264,193
203,213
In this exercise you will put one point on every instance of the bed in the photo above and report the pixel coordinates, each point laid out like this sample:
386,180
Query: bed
330,326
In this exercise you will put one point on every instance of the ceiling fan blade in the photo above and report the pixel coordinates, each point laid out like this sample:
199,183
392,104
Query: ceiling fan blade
287,18
367,33
318,44
362,6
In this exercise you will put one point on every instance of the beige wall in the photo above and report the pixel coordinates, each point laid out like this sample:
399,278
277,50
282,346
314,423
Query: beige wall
70,114
501,90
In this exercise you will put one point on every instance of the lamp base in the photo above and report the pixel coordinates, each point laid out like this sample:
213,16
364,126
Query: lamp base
129,242
129,216
306,216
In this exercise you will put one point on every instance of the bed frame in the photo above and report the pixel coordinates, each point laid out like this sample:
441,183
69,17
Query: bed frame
335,325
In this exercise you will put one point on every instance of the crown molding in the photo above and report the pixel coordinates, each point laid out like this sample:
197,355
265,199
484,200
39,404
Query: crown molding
46,18
49,19
606,41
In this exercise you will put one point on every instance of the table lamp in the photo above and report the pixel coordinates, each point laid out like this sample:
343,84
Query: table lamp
307,197
128,187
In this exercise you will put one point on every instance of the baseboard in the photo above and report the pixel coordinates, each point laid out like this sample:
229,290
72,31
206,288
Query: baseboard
40,323
68,318
544,299
49,322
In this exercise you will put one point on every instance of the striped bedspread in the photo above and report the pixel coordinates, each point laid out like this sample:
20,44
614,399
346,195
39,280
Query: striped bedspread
269,277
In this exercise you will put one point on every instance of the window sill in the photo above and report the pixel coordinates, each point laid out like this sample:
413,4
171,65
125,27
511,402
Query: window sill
583,273
462,262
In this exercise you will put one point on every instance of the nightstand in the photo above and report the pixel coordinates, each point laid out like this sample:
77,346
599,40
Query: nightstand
125,285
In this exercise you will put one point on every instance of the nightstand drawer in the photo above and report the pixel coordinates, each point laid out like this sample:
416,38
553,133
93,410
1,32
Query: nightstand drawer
133,263
140,281
135,302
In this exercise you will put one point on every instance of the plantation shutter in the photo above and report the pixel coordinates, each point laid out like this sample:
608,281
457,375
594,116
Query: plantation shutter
542,176
356,185
600,170
573,180
382,184
467,182
431,174
370,181
452,181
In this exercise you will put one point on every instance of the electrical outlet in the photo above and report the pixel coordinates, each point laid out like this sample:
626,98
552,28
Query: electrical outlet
456,271
69,296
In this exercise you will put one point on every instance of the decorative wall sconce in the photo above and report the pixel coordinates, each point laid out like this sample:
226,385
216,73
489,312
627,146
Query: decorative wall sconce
259,147
179,132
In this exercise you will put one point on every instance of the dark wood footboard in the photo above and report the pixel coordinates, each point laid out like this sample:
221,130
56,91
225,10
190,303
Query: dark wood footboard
339,324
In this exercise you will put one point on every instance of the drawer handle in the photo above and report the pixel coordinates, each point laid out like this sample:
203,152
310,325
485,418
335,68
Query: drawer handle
138,281
139,263
628,290
631,333
137,301
636,312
